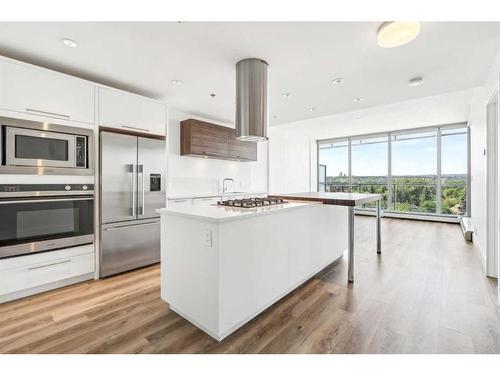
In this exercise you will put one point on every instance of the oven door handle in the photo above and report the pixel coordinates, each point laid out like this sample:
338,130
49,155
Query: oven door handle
47,200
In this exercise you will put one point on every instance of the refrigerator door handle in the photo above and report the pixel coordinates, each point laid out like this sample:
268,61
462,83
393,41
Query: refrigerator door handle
133,186
140,169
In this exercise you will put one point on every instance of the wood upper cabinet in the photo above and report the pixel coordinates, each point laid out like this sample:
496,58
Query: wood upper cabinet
41,92
200,138
241,150
204,139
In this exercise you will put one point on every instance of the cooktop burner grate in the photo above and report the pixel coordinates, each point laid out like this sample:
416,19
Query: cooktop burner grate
251,202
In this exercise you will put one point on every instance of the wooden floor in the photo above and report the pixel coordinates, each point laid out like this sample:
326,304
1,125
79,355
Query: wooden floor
425,294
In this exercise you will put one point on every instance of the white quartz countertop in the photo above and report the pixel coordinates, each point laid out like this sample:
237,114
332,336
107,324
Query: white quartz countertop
212,195
221,213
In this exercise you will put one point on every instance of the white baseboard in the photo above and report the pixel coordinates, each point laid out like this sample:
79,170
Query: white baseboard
479,250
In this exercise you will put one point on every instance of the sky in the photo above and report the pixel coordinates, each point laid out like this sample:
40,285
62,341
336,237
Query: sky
409,157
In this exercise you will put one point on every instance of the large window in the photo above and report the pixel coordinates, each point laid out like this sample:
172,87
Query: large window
422,171
454,171
369,167
414,171
334,166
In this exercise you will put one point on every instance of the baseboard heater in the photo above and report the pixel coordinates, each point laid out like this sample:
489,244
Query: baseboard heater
466,225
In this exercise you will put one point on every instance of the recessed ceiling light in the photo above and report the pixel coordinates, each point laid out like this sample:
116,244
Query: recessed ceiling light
338,81
213,96
313,109
275,117
286,94
357,100
176,82
417,81
69,42
396,33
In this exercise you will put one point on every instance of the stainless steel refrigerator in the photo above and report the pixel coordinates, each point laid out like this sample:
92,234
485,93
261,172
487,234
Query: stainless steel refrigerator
132,177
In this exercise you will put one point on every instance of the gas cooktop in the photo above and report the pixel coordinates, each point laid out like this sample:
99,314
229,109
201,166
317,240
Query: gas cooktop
251,202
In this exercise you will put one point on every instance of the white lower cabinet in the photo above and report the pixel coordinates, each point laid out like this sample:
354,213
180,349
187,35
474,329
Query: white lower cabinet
29,274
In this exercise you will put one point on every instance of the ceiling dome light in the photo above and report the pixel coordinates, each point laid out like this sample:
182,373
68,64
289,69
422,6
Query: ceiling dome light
69,42
286,94
396,33
338,81
357,100
176,82
417,81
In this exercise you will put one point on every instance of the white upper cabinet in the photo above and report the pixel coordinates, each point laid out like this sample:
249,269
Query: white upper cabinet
45,93
118,109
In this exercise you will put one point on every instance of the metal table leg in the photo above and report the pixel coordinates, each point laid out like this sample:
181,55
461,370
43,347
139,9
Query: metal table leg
350,226
379,243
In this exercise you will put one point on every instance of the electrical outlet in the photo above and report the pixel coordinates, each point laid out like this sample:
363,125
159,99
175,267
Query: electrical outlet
208,238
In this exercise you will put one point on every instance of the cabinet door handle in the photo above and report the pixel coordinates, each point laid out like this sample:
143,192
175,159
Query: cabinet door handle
49,265
134,128
47,113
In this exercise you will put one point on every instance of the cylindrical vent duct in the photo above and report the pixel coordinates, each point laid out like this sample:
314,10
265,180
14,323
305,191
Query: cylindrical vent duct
251,100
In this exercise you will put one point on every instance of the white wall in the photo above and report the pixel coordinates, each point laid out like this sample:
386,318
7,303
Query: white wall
478,159
289,161
292,148
200,176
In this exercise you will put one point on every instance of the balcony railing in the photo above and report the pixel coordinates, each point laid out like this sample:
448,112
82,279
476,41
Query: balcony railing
412,197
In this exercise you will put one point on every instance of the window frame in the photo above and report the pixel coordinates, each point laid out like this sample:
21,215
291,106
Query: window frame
389,134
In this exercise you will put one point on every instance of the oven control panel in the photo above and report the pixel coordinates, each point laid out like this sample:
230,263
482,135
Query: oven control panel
9,190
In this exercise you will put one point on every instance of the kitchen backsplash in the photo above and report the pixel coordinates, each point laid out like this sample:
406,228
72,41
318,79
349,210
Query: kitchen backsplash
179,186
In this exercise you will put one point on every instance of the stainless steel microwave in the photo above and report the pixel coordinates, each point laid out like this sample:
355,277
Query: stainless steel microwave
30,147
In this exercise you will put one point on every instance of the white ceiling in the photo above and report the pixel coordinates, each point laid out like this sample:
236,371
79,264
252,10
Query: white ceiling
303,58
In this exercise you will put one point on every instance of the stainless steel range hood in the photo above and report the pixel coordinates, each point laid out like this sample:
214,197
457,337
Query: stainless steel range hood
251,100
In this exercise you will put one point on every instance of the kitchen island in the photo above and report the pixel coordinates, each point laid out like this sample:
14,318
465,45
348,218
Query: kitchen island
350,200
222,266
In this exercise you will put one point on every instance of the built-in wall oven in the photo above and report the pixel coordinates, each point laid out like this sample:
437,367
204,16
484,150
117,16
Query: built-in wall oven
31,147
37,218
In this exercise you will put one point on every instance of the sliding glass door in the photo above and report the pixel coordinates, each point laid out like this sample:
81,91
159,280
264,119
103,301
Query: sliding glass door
421,171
